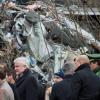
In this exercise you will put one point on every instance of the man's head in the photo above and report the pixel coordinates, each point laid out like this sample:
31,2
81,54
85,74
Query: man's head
11,76
20,64
81,59
58,76
2,74
94,64
68,68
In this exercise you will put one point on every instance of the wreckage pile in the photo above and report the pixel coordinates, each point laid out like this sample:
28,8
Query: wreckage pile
49,34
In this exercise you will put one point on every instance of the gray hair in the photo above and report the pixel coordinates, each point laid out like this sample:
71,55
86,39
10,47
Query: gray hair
23,60
68,68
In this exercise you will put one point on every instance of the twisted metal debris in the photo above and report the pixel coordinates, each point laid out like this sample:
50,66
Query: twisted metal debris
57,32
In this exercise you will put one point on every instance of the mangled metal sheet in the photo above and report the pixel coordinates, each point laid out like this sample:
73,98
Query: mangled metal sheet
44,28
74,9
35,32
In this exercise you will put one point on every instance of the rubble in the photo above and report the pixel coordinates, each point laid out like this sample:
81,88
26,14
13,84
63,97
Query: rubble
49,33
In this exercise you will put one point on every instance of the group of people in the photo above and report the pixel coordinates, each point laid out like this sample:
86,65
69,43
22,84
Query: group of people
25,87
82,83
77,80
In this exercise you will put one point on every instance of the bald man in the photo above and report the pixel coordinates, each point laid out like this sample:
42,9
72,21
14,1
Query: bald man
86,85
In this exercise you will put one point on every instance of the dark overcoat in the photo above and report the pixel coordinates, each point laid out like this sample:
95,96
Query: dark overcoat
86,85
62,90
27,86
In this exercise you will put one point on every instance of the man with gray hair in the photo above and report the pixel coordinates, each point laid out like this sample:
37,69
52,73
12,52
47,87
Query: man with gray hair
26,84
63,89
68,68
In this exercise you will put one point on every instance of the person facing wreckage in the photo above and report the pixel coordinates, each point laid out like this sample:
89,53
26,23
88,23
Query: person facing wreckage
26,84
63,89
86,85
57,77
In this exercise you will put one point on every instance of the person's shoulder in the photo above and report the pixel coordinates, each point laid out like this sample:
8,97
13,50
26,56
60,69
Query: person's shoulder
84,74
29,75
98,73
83,71
59,84
30,79
4,94
77,76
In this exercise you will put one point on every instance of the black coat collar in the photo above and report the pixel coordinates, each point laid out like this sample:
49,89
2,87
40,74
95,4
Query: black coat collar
86,65
68,76
24,75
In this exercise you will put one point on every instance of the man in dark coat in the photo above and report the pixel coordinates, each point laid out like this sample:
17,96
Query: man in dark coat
86,85
26,84
63,89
